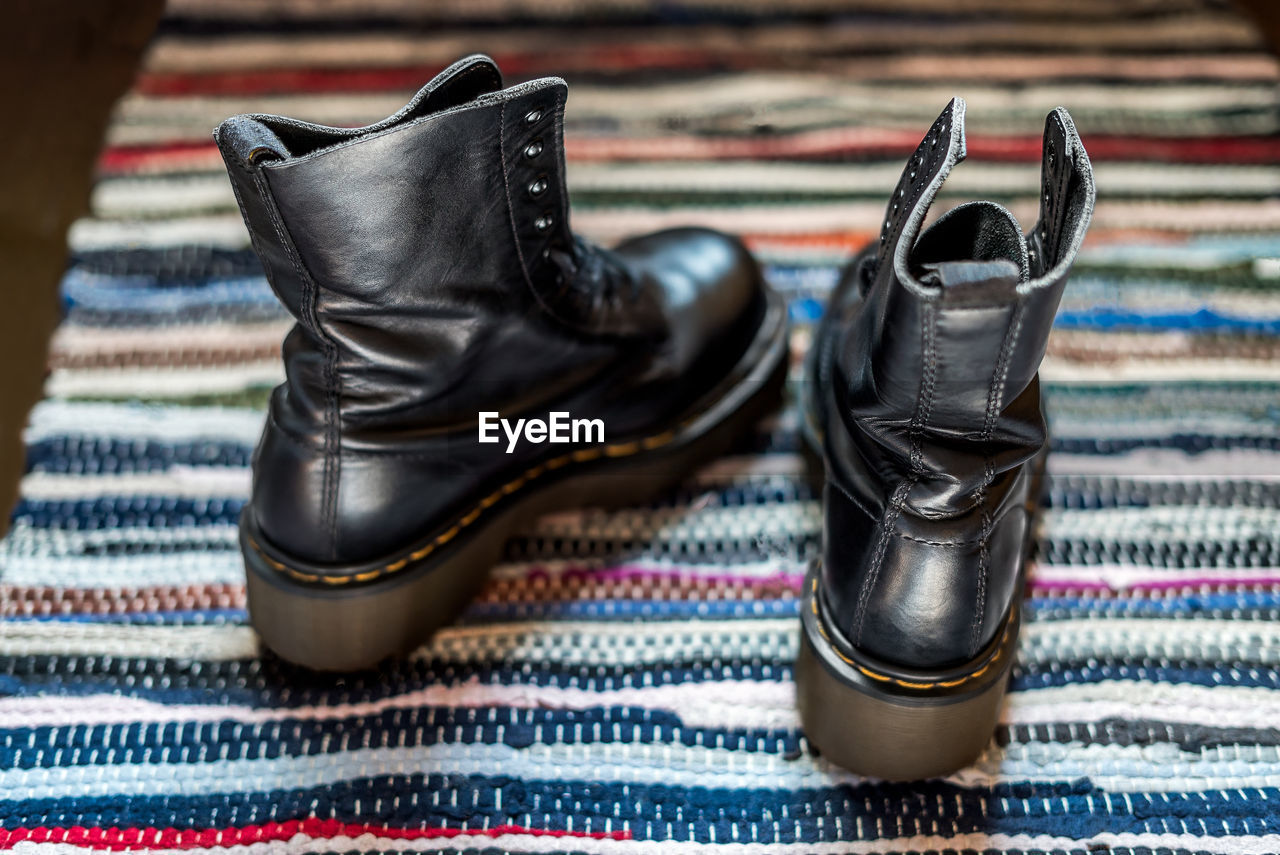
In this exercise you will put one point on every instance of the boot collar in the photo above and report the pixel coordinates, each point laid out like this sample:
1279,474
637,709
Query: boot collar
1067,196
261,137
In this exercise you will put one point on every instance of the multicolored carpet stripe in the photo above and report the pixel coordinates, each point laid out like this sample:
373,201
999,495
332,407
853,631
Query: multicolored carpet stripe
624,683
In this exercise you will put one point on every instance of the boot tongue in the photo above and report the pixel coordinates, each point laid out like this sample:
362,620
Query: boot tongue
973,282
973,252
464,81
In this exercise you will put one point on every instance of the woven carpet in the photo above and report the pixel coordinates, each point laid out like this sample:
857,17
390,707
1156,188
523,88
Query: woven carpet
624,684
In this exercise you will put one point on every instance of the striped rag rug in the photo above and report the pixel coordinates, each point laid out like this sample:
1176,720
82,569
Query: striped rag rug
624,684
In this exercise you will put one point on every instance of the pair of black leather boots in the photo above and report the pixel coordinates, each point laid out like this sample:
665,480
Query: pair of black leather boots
429,264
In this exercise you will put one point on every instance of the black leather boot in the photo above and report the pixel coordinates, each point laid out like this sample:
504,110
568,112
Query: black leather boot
430,267
923,399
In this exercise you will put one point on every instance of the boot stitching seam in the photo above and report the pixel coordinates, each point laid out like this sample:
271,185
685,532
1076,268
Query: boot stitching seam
332,442
857,503
995,398
924,408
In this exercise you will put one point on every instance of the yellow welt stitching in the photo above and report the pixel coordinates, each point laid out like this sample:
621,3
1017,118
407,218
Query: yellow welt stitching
276,564
660,439
909,685
885,678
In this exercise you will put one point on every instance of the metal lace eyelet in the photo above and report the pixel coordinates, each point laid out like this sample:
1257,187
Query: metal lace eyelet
544,222
532,116
538,187
533,149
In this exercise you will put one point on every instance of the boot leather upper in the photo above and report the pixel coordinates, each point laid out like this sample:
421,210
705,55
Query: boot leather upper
923,389
428,262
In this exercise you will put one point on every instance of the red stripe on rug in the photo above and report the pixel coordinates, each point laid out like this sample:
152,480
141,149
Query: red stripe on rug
855,142
283,81
638,56
288,81
159,157
191,838
50,601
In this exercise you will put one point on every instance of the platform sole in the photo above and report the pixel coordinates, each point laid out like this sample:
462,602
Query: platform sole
354,619
891,723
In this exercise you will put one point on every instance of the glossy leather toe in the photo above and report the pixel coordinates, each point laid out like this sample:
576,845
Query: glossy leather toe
710,288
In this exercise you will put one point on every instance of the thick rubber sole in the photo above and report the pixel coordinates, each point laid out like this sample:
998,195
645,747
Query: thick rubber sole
389,607
888,722
892,723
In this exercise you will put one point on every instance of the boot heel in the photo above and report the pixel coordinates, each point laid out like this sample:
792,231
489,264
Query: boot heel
350,628
891,724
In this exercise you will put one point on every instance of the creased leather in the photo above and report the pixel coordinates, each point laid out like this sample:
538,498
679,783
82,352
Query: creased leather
427,287
923,387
